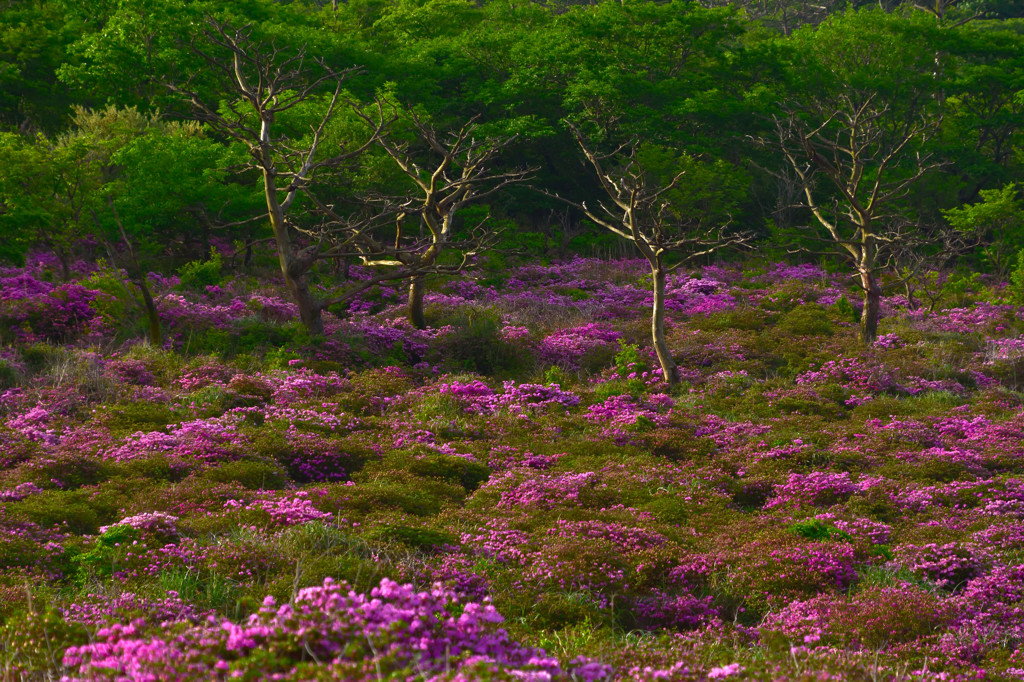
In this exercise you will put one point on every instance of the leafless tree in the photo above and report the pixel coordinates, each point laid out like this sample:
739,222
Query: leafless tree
639,210
854,157
447,172
259,83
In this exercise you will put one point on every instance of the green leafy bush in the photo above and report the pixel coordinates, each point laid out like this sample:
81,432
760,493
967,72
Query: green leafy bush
200,274
806,320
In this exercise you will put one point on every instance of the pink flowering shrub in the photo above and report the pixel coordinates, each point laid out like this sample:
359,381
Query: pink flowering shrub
873,618
289,511
32,310
576,347
394,630
948,565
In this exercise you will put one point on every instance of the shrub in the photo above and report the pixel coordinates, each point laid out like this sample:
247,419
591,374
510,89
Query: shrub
33,310
130,417
411,536
395,490
805,320
80,511
477,344
466,472
253,474
874,619
201,274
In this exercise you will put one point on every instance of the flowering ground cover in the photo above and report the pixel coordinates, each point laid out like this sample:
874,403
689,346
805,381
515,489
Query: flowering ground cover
513,493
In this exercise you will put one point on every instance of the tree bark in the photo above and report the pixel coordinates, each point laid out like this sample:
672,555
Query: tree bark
668,364
293,271
155,335
416,290
872,307
309,307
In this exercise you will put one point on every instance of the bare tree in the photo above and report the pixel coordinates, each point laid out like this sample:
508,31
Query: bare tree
641,212
447,173
260,82
854,158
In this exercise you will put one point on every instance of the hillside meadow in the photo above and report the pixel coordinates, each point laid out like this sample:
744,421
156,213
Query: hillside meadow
513,493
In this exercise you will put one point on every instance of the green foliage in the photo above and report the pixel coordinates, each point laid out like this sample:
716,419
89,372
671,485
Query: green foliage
378,489
72,471
414,537
253,474
205,591
998,220
103,557
815,529
806,320
129,417
34,641
1016,289
628,360
81,511
10,374
476,345
433,465
200,274
844,310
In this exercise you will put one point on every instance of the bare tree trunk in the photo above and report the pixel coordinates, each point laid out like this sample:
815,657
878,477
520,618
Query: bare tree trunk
135,274
668,364
911,303
416,290
293,271
309,308
65,264
153,316
872,307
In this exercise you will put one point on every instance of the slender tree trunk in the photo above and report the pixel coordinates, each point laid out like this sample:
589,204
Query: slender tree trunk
65,264
135,274
293,271
153,316
416,315
911,303
872,307
668,364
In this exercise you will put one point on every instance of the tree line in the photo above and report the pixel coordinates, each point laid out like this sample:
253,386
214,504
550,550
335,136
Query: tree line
416,136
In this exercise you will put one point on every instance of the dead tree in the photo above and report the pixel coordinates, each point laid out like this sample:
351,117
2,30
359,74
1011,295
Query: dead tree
260,82
640,212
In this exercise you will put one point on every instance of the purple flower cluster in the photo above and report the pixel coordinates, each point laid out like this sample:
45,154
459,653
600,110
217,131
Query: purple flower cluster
818,488
566,347
289,511
948,565
32,310
542,491
395,630
150,523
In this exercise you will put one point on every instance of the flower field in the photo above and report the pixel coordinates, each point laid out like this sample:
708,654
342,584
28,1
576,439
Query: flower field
513,493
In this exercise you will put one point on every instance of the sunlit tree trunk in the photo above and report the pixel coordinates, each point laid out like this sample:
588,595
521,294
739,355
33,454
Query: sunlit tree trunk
665,359
416,315
292,269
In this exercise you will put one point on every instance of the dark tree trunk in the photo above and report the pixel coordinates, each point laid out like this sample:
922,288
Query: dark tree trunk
309,308
155,333
872,308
